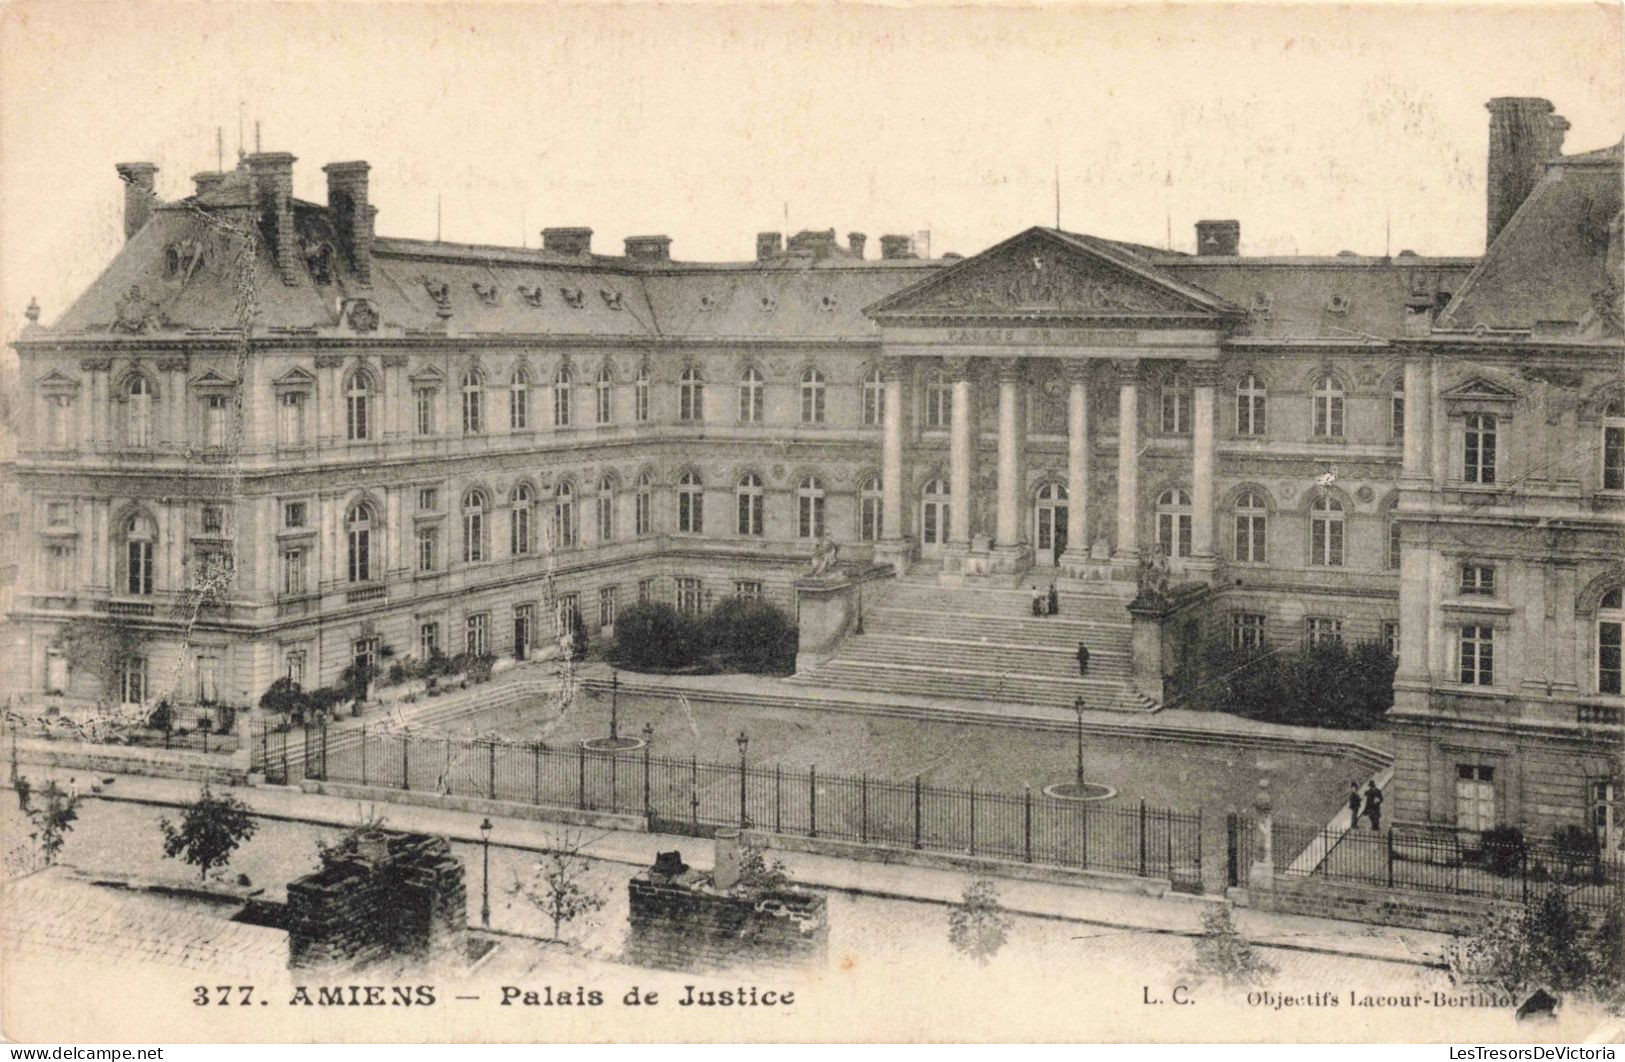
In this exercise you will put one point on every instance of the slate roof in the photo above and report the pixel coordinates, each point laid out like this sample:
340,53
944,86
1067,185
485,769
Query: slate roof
1557,256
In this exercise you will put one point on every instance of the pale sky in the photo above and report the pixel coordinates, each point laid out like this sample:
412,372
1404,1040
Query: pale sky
1312,124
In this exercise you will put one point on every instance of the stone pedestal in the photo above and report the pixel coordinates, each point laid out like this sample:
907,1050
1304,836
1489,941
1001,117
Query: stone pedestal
828,607
897,552
1010,559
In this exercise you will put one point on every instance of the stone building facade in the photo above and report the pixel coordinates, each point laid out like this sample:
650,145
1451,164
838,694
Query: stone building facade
410,444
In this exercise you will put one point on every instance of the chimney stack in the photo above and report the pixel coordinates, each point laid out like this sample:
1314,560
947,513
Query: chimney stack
572,241
1219,237
894,246
271,177
207,181
725,865
352,214
855,242
1524,133
769,245
139,181
649,248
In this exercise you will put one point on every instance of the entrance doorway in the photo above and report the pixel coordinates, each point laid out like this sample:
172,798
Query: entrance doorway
1050,524
521,631
934,507
1475,797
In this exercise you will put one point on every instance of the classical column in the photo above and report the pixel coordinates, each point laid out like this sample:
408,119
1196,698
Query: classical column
1417,421
329,403
1077,464
1128,459
1008,526
891,458
173,371
960,440
1203,377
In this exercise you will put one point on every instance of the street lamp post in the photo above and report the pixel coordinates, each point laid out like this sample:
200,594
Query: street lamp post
744,744
485,875
1078,706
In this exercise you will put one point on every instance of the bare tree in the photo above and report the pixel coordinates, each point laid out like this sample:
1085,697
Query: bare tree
560,885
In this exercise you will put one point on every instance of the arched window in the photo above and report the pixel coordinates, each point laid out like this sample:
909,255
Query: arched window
606,509
474,508
691,396
1328,408
519,400
1396,411
564,515
874,398
1326,531
749,497
358,526
358,406
812,397
690,504
1174,522
1610,624
938,401
521,539
750,396
473,402
1251,406
643,519
1252,527
870,507
603,389
563,396
640,396
138,412
1176,406
934,513
810,508
140,534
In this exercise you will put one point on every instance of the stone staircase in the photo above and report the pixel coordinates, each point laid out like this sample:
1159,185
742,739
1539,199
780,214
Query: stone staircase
980,641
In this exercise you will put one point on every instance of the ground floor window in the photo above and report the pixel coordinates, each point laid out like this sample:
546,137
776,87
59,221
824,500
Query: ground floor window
428,639
1247,630
1604,816
569,610
133,681
1475,796
293,666
365,653
524,624
646,591
1390,636
477,634
1477,653
208,678
607,606
688,596
1322,630
748,589
56,672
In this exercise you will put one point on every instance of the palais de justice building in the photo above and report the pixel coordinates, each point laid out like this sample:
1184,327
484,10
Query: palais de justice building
272,456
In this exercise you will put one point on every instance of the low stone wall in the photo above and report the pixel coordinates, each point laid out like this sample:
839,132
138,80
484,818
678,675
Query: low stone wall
683,923
390,894
509,809
93,759
1438,912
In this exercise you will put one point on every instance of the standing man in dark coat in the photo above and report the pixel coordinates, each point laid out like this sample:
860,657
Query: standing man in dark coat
1373,805
1054,599
1354,804
1083,659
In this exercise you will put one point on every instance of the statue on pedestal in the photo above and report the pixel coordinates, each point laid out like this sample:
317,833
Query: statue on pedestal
825,554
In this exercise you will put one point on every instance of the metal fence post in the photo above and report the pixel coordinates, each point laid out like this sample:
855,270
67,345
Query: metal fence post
916,811
778,798
581,776
1142,837
536,772
973,818
1085,810
491,769
363,754
694,791
324,752
406,762
1523,874
863,807
812,801
742,796
1027,823
648,807
1168,837
1198,842
1390,839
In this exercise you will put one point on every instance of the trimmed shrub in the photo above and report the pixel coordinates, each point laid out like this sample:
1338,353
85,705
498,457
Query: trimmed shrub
655,636
750,636
1503,848
1326,685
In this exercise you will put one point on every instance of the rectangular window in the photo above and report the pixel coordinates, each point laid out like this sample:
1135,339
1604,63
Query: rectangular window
605,404
56,514
645,511
1247,630
1250,537
293,571
425,410
1323,630
606,517
640,398
133,681
1478,458
1396,424
1390,636
1613,457
291,418
293,666
748,589
1609,638
1393,543
214,420
646,591
1176,411
688,596
213,519
477,633
140,567
1475,797
294,515
569,610
1477,655
59,567
428,548
428,500
1478,579
428,640
606,606
364,653
208,679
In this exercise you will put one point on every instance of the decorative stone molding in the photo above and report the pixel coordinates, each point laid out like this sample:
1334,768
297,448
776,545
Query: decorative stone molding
329,361
172,364
95,364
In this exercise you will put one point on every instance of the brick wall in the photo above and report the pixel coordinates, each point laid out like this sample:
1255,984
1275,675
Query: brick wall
1439,912
386,893
683,923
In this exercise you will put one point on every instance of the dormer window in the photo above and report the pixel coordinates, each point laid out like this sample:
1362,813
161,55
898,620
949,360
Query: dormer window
213,520
827,303
1338,304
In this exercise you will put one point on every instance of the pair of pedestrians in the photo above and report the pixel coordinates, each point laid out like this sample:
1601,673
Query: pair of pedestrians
1370,808
1046,604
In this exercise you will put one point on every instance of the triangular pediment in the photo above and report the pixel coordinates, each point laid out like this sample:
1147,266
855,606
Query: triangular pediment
211,379
1046,272
294,377
1479,387
55,380
427,374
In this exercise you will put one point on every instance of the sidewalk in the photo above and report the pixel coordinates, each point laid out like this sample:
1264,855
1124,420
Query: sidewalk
1176,915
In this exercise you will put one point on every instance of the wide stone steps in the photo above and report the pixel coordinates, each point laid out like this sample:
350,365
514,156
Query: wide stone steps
889,648
1054,633
927,680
